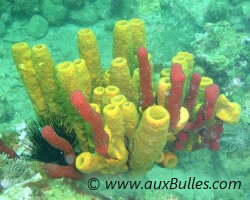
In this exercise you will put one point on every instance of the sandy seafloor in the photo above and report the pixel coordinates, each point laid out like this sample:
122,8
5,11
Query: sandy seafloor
204,164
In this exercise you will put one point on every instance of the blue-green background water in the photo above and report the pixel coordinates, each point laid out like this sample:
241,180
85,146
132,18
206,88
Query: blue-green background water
216,32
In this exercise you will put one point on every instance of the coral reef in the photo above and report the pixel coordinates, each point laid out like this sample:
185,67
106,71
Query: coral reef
119,132
217,11
216,55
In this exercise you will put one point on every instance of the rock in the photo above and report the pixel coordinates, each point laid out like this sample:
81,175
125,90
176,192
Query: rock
85,16
54,13
2,28
37,27
109,25
7,111
73,3
247,81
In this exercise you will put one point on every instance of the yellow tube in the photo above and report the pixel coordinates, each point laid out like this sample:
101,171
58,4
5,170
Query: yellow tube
117,150
170,160
118,100
21,54
117,153
130,119
228,112
120,76
123,43
88,50
98,93
109,92
184,116
135,84
95,107
152,68
165,72
139,33
46,74
107,77
149,139
69,82
163,90
88,163
84,76
205,81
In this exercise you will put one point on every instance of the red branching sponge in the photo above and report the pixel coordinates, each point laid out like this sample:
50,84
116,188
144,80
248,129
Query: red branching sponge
175,96
58,171
211,95
7,150
192,94
207,110
182,136
94,119
60,143
147,98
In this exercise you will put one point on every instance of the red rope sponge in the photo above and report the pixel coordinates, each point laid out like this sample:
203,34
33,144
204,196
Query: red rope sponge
58,171
60,143
207,110
94,119
193,92
175,96
147,98
4,149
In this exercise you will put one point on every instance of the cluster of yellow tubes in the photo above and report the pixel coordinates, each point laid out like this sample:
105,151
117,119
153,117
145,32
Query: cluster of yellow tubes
136,138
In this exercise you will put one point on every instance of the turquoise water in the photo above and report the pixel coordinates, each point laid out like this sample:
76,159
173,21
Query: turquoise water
215,32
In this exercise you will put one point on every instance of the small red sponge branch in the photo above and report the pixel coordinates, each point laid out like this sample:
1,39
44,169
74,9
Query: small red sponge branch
206,112
58,171
175,96
211,95
147,98
59,143
8,151
193,92
94,119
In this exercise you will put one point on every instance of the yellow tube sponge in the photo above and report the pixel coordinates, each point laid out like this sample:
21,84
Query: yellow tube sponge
205,81
109,92
107,77
120,76
184,116
123,43
118,100
228,112
135,84
69,82
21,54
149,139
88,50
88,163
116,149
189,57
163,90
165,72
97,96
84,76
95,107
130,119
170,160
46,74
139,33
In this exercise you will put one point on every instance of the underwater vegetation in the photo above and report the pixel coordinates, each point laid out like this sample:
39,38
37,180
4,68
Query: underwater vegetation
124,120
